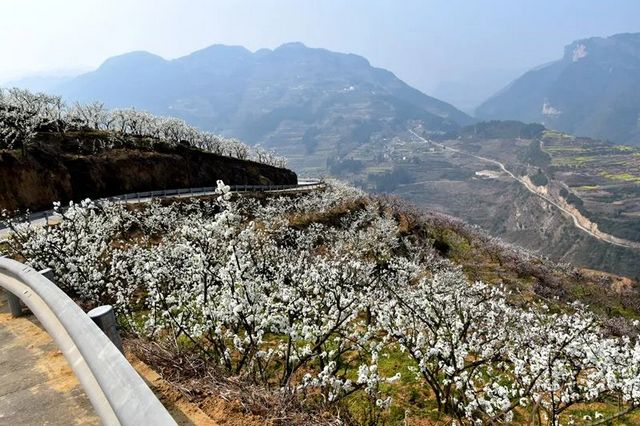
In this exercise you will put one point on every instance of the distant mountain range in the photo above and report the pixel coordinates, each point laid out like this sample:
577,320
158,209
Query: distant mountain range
594,90
308,103
41,82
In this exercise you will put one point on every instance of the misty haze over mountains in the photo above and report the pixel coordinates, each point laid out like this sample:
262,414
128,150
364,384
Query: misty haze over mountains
309,104
473,87
594,90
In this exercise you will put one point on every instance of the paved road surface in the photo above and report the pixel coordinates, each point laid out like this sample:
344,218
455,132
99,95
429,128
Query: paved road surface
37,386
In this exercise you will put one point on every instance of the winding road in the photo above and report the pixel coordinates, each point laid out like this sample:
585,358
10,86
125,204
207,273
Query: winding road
50,216
607,238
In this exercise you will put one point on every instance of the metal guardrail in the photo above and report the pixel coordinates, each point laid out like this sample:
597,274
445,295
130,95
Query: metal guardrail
209,190
183,192
116,391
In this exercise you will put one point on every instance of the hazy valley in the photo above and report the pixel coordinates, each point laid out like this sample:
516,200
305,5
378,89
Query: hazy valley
548,201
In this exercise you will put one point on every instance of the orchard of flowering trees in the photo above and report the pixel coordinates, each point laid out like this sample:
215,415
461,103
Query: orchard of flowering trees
23,114
324,297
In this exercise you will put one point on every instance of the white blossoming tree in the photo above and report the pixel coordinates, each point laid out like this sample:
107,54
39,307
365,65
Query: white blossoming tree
310,295
23,114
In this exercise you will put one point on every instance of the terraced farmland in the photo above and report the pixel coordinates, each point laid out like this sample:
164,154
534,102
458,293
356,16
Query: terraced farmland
595,180
604,178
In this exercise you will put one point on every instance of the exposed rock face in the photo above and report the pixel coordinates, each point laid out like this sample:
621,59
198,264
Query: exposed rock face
58,171
592,91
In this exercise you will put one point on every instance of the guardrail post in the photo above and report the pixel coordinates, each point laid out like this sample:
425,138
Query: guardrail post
47,273
15,306
105,319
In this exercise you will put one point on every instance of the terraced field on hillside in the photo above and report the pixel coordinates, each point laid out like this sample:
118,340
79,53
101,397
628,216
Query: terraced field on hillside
595,183
605,179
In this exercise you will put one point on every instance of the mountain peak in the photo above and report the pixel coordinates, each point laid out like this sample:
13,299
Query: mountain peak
307,102
138,58
604,47
221,49
292,45
298,49
591,91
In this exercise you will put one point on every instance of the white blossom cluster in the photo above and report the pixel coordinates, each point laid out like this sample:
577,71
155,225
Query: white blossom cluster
23,114
309,294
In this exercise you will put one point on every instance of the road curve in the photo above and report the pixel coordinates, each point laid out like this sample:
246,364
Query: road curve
607,238
43,218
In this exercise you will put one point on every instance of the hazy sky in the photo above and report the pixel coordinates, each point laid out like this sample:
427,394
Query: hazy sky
425,42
